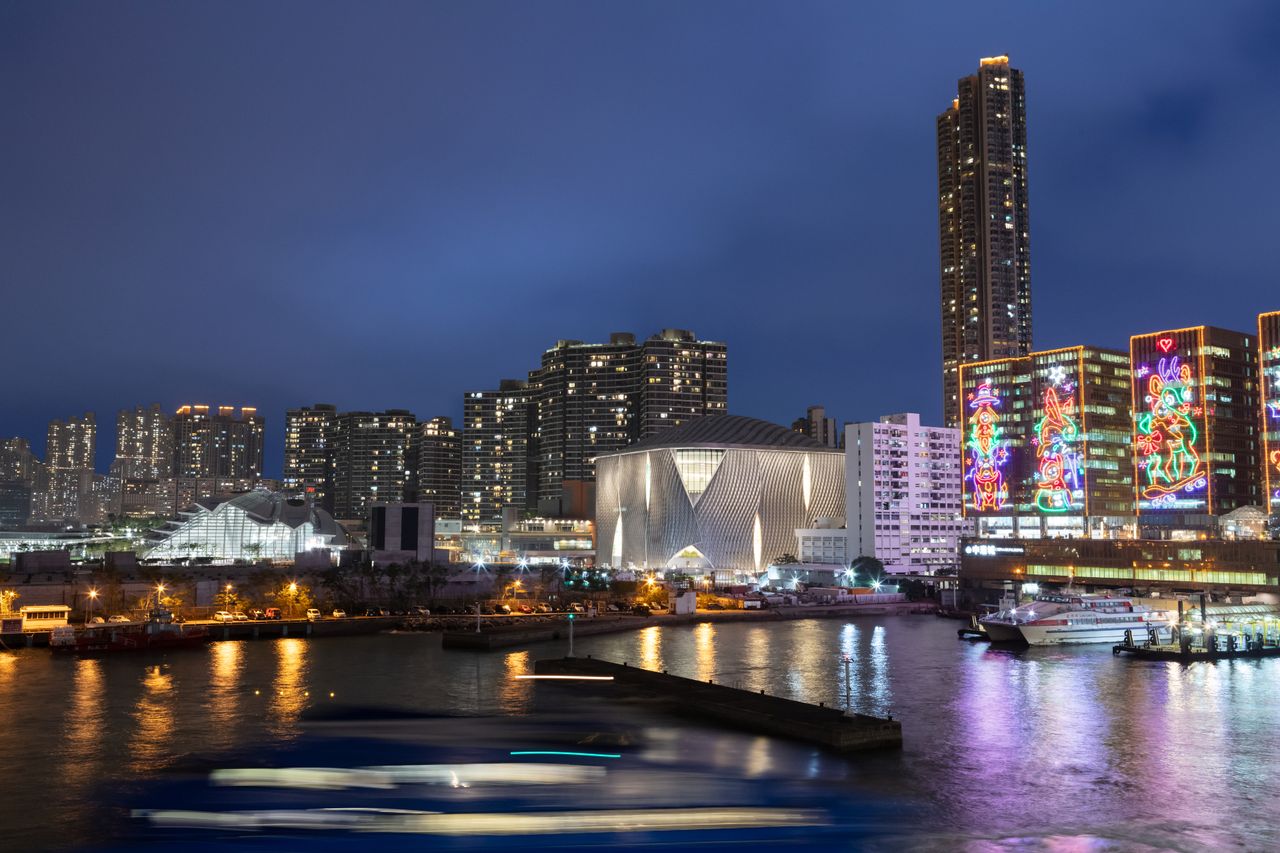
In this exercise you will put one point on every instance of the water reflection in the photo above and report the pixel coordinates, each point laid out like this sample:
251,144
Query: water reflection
289,693
514,695
880,692
154,715
226,660
651,648
704,641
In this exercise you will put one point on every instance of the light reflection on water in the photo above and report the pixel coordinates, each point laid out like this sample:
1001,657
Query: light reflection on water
1037,741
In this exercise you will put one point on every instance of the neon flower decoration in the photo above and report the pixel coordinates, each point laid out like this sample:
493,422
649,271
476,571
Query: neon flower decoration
1167,436
987,452
1059,470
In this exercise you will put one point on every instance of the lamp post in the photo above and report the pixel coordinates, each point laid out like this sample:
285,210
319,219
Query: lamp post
293,599
89,597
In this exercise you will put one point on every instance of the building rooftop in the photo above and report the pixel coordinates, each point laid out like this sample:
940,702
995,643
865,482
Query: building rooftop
729,430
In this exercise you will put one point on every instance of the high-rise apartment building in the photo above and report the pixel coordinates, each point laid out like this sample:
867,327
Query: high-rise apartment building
17,462
1196,446
585,403
902,494
818,426
373,460
70,444
983,224
64,491
495,451
682,378
217,442
1047,444
439,455
1269,380
310,439
144,444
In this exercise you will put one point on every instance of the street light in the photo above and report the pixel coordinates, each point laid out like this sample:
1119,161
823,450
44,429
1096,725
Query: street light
88,599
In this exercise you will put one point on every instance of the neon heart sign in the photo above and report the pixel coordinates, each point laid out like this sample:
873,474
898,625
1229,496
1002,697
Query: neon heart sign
1165,344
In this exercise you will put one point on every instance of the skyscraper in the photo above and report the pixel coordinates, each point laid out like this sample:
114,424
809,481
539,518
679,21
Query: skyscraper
495,451
217,443
983,224
1269,380
144,444
310,436
682,378
440,467
373,460
64,490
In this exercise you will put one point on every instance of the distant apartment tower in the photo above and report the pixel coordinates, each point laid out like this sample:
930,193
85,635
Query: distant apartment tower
1269,378
439,455
818,426
1197,453
585,399
373,460
64,489
682,378
144,443
983,224
1046,444
495,451
310,440
221,442
17,462
902,483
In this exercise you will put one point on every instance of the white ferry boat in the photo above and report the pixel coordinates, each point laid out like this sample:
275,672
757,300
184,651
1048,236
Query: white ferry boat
1073,618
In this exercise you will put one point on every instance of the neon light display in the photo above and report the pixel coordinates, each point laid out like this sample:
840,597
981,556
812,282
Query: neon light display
1167,436
988,452
1057,435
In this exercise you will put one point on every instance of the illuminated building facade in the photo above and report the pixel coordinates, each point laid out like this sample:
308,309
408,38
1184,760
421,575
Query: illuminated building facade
495,451
819,427
1046,442
983,224
310,439
719,495
217,442
63,489
902,483
682,378
17,462
439,455
256,525
1196,449
144,443
1269,381
372,461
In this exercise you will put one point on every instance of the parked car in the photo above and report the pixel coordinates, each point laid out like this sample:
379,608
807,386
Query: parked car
222,616
524,608
613,608
543,608
239,616
119,618
577,607
339,614
421,611
313,614
713,605
97,620
503,609
255,614
641,610
272,613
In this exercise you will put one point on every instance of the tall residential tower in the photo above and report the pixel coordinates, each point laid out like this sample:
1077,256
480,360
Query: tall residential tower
983,224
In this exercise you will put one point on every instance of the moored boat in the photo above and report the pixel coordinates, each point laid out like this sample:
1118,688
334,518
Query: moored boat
1054,619
158,633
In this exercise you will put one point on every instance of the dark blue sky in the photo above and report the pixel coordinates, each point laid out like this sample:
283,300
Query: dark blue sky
384,204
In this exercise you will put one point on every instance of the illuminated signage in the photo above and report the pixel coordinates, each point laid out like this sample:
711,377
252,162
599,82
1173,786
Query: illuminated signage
988,451
1057,438
988,550
1170,426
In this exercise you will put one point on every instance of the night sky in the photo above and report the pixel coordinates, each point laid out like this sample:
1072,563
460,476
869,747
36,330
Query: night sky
381,205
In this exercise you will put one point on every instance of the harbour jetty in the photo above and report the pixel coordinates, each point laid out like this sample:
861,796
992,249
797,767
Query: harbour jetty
831,728
249,630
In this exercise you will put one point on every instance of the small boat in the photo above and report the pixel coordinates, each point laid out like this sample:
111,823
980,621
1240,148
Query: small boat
157,633
1054,619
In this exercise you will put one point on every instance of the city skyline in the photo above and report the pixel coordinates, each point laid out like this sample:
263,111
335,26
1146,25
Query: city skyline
711,221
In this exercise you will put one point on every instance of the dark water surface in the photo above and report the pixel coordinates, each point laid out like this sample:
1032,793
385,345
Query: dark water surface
1057,749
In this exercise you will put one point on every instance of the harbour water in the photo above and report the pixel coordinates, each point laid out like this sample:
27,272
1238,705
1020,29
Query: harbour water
1044,748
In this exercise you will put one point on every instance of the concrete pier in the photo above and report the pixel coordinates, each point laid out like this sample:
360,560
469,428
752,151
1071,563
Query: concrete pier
754,712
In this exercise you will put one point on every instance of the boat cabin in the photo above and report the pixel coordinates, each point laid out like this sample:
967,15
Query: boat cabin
43,617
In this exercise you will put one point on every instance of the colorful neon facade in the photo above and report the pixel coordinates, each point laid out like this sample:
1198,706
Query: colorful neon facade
988,452
1269,366
1168,440
1057,435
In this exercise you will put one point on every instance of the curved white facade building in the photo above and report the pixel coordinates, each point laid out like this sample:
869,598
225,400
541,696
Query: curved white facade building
251,526
723,493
